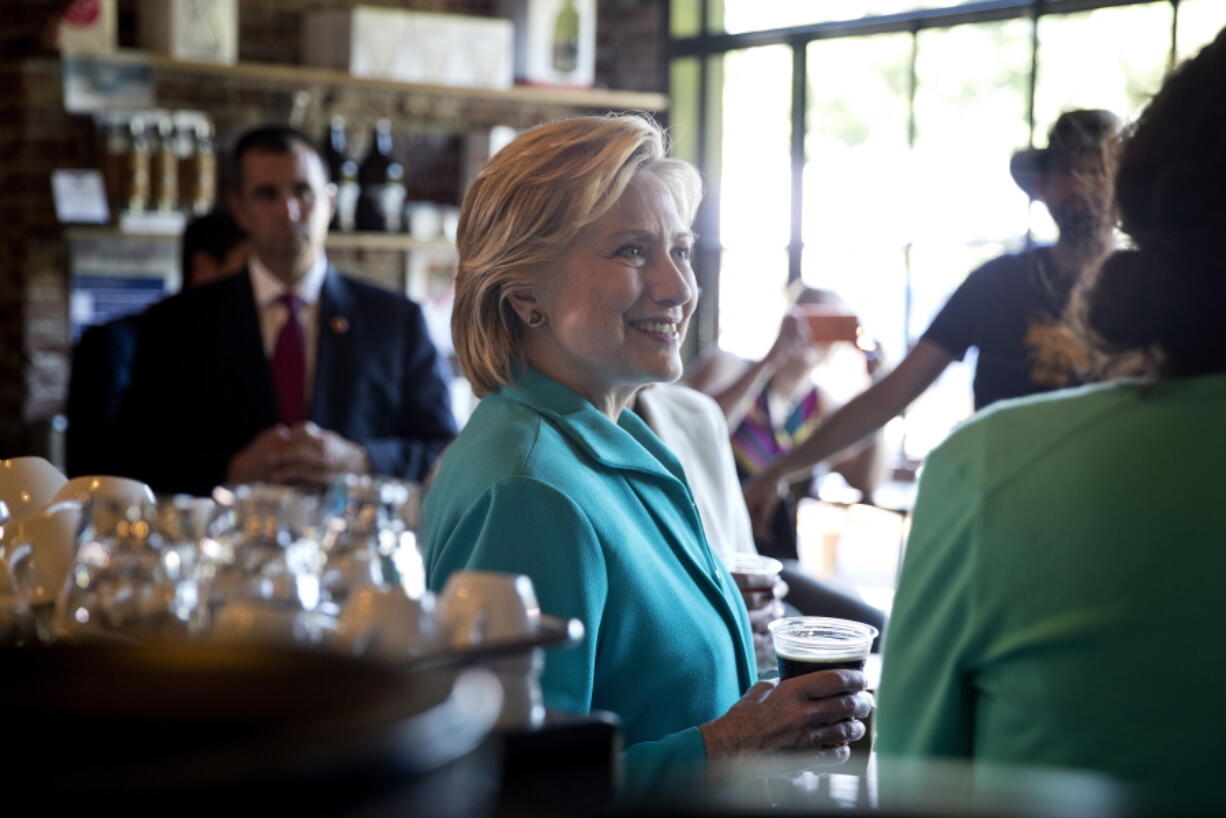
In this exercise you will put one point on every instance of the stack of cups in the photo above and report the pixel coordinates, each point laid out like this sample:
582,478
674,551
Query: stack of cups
486,607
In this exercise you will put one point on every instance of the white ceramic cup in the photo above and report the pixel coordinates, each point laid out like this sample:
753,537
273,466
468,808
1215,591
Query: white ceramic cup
483,606
478,607
386,624
27,484
40,551
104,487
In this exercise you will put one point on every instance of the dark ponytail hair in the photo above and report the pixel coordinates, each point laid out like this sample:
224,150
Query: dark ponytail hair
1162,302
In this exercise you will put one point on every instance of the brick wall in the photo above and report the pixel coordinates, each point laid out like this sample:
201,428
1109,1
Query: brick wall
629,48
36,135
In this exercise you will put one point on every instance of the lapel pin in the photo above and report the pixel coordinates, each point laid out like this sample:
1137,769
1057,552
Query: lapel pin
339,324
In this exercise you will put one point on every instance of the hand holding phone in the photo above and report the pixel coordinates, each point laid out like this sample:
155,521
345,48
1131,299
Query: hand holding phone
826,326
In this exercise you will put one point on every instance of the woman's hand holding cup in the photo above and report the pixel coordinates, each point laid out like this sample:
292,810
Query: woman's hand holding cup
817,712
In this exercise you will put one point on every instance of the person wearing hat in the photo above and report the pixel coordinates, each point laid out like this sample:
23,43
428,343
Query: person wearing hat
1010,308
1064,546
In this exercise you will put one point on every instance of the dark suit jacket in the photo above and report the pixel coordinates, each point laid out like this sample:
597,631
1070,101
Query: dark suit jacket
202,387
101,369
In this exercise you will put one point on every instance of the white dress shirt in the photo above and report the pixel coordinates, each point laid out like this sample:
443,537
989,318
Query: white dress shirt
273,313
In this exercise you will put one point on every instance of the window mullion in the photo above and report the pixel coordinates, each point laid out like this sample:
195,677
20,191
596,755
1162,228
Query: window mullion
800,113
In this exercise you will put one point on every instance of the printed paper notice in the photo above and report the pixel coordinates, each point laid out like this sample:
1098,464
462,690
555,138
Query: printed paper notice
80,197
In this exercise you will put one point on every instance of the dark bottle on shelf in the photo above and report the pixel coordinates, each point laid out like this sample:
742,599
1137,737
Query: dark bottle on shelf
566,38
381,179
116,164
342,172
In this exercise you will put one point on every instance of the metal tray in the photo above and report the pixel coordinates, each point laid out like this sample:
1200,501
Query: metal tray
551,632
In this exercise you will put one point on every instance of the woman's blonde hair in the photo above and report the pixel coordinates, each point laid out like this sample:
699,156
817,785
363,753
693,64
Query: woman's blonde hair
527,205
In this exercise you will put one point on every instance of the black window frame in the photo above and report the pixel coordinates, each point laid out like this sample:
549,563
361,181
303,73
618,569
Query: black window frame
707,44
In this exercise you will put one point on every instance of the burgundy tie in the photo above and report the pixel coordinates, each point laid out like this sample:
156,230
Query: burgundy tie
289,364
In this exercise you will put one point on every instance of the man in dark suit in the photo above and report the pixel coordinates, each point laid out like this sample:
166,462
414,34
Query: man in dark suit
213,248
290,371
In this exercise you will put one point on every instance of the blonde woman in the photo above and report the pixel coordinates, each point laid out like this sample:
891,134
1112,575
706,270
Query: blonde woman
574,291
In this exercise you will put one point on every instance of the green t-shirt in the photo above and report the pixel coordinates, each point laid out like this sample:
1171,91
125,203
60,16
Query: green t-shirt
1059,602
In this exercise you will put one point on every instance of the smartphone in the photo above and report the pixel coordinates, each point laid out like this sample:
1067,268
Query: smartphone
827,326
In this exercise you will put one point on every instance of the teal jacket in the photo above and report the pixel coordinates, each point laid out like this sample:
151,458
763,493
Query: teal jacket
600,516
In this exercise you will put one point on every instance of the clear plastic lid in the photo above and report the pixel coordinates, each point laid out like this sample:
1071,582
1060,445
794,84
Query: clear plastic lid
821,638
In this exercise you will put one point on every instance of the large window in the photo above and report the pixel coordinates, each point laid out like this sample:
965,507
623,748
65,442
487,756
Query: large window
755,192
856,181
863,146
740,16
966,208
1198,21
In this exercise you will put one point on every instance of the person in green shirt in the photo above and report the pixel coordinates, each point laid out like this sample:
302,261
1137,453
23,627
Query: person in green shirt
574,290
1058,598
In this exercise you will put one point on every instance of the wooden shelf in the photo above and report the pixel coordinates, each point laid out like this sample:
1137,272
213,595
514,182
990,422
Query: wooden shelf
576,98
385,241
176,82
336,241
83,232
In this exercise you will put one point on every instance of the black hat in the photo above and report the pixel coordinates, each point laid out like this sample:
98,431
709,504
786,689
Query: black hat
1073,132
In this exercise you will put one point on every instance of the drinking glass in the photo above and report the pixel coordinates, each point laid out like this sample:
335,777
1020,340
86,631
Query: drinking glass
375,543
183,523
259,570
122,585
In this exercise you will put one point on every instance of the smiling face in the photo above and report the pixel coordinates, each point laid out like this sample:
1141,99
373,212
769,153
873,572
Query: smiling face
284,206
617,302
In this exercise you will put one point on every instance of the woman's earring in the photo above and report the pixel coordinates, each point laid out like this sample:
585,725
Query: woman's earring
536,318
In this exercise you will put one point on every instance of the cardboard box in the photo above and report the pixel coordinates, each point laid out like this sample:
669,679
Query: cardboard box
198,30
411,46
87,27
555,41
